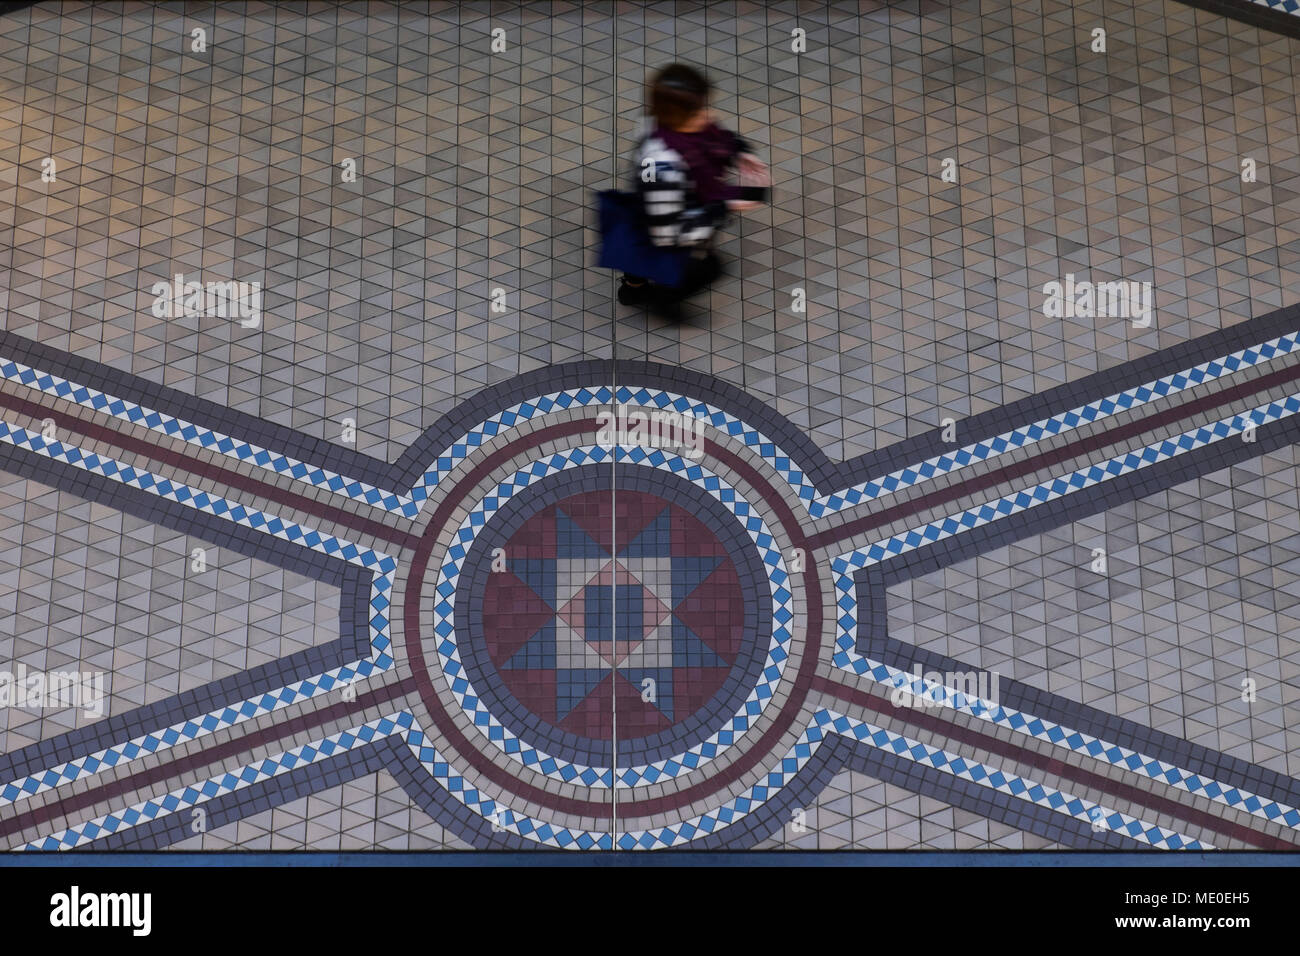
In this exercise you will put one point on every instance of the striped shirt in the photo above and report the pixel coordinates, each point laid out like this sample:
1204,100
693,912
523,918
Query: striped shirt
675,215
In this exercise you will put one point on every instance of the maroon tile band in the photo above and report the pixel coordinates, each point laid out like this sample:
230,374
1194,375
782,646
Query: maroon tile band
212,472
1002,748
145,779
1055,456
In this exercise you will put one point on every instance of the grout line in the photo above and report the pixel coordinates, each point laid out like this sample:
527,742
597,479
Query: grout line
613,462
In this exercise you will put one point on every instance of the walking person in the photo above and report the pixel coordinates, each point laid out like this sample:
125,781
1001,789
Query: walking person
682,168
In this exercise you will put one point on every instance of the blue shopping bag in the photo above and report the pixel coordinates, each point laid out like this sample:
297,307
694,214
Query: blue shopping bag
625,241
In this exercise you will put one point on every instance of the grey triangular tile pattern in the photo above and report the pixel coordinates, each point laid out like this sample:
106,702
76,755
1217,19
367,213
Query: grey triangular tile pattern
925,298
475,174
1201,591
859,812
371,812
85,588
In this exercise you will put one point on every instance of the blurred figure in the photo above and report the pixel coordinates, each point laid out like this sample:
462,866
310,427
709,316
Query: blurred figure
682,167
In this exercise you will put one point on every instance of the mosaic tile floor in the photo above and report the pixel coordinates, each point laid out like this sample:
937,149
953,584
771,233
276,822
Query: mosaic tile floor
918,567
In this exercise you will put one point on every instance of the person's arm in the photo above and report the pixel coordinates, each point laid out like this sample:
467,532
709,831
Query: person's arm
744,156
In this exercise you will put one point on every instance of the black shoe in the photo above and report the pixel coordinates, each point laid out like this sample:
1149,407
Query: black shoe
665,304
713,268
629,294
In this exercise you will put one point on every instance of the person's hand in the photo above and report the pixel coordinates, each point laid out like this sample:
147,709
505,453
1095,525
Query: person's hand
753,171
741,205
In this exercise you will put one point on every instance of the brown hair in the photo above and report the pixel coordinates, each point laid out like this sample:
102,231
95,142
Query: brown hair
677,93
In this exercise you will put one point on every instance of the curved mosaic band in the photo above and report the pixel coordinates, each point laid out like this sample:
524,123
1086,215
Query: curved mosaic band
694,758
668,836
757,795
751,623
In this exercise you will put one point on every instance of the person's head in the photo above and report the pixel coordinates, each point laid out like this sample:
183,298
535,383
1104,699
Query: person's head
679,98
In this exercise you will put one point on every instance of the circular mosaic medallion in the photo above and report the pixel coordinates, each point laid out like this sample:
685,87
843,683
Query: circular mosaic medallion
593,617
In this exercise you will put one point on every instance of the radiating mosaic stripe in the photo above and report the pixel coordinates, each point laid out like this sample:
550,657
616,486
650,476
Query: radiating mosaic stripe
483,720
1067,421
201,437
194,795
503,819
193,728
847,657
1016,786
818,505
